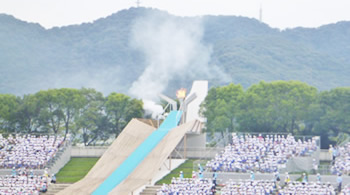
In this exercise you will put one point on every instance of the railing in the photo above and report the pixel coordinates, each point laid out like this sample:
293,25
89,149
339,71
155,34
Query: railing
61,159
61,150
324,169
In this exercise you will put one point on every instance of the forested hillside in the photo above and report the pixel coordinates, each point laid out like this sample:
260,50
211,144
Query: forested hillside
100,55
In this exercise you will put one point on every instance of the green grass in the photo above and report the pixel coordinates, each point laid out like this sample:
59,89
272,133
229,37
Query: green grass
186,167
75,170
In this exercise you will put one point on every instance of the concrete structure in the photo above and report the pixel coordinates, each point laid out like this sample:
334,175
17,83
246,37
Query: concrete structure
88,151
200,89
61,160
144,173
192,151
131,137
127,142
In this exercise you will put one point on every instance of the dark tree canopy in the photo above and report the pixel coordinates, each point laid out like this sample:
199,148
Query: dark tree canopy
279,106
86,113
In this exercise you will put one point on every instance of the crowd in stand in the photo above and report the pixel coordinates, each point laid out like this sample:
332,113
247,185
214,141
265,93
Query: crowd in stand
258,153
248,187
341,159
192,186
22,181
346,190
188,186
312,188
30,151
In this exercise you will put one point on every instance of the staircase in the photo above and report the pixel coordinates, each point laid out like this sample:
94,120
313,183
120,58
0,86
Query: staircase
150,190
55,188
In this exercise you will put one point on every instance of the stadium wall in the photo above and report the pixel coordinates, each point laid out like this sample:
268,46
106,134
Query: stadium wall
89,151
61,160
192,152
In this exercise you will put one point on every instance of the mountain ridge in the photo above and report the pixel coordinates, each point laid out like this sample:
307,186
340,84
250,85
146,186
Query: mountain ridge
98,54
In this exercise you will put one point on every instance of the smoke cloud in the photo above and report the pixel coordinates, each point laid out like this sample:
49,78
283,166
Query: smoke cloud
173,49
151,108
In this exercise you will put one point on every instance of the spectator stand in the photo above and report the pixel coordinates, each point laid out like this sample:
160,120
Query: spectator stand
267,153
298,187
247,186
188,186
346,190
341,165
33,151
24,181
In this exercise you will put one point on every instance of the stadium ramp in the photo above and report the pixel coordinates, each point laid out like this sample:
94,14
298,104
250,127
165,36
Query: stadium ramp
141,164
128,140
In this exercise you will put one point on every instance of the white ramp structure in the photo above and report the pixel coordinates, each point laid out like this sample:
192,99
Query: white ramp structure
134,135
200,89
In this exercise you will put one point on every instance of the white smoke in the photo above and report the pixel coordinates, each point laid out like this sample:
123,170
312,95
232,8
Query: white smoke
153,109
173,49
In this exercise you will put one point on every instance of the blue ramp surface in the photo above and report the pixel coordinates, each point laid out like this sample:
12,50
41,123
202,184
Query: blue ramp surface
139,154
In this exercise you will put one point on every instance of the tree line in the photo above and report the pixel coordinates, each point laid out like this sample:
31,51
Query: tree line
90,117
84,113
279,106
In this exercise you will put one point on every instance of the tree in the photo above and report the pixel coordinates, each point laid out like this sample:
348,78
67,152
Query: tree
8,108
92,119
335,112
51,114
121,109
71,101
220,107
58,108
279,106
28,113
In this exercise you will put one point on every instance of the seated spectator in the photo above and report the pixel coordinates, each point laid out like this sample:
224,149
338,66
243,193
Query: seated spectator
346,190
263,154
28,151
187,186
341,164
21,183
53,178
307,188
248,187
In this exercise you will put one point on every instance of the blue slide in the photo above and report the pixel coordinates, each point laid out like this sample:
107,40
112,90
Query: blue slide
139,154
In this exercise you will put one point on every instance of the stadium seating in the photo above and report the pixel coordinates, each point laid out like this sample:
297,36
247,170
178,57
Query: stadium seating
257,187
30,151
258,153
248,187
346,190
23,181
342,161
187,186
307,188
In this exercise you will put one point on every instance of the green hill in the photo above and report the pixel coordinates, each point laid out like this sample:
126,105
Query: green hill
99,54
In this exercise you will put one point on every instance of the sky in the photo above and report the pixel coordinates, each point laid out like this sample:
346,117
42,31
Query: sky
276,13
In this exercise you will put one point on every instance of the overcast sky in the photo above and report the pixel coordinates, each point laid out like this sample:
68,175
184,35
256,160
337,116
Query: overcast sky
277,13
